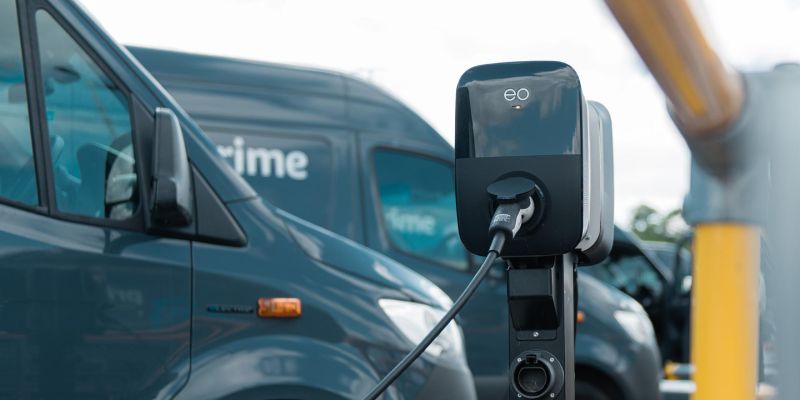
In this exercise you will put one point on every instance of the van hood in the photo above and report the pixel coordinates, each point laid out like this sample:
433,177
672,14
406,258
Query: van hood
602,298
602,305
351,257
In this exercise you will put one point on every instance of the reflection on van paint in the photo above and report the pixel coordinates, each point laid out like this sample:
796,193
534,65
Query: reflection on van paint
410,222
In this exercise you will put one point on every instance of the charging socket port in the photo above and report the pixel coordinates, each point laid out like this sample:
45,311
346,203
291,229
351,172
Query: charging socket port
537,375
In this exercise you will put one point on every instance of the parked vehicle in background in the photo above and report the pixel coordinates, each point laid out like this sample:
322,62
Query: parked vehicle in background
678,297
298,135
635,270
666,252
136,263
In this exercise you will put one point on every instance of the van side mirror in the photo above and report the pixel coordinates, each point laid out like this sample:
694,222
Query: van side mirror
172,200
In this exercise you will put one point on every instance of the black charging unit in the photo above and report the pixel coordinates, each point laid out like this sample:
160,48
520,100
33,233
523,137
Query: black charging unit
526,125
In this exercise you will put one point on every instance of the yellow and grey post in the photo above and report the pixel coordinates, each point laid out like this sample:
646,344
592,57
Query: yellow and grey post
729,122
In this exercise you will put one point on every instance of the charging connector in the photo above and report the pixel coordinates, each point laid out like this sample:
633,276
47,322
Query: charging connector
514,208
509,217
514,204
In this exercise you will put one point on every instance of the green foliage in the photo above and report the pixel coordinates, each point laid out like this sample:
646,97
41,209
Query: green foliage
649,224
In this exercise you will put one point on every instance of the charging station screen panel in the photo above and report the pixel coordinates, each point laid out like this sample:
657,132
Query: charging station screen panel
527,113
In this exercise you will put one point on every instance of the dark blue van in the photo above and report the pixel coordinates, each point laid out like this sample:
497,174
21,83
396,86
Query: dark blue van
135,263
345,155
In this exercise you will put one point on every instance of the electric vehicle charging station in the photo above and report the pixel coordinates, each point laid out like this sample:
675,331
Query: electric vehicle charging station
534,161
534,186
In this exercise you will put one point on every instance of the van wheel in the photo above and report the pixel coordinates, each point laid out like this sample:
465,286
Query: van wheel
585,390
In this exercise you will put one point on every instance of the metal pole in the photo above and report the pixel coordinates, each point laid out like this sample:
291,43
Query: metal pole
725,311
705,98
704,94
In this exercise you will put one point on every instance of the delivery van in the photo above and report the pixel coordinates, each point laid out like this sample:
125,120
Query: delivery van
135,263
345,155
636,269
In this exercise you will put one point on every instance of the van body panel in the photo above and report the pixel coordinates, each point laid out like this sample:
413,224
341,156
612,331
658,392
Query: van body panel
334,250
277,367
340,353
281,161
610,350
87,311
274,93
370,110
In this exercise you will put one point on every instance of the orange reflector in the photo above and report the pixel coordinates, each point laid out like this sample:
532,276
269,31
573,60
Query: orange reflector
671,371
279,307
580,316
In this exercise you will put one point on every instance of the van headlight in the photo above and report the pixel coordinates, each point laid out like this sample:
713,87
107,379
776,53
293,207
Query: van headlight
415,320
636,324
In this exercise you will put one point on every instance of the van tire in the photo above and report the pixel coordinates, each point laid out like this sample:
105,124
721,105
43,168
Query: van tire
586,390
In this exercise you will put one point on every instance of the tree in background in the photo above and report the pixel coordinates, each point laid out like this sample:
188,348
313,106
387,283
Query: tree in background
649,224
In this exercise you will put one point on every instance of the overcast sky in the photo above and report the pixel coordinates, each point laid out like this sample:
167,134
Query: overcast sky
418,49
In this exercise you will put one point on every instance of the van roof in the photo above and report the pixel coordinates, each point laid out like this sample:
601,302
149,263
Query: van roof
368,108
233,71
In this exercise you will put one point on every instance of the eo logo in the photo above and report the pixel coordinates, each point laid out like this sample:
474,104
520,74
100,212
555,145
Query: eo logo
520,94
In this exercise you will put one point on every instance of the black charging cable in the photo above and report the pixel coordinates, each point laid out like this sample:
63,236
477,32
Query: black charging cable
511,212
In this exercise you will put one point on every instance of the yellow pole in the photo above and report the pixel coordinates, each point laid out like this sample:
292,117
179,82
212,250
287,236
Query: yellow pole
725,294
705,97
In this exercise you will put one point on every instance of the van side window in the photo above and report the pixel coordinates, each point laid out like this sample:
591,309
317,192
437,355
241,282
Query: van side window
17,167
88,121
417,197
